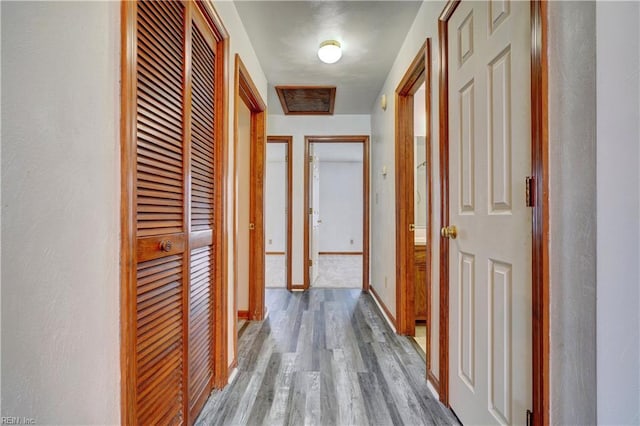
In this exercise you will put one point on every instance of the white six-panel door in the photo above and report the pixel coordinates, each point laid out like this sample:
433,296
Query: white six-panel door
490,260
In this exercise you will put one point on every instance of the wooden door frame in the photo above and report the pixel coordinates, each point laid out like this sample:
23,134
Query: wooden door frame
288,140
128,249
540,222
246,91
364,140
419,72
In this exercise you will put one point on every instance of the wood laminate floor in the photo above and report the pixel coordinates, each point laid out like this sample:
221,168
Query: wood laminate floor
325,357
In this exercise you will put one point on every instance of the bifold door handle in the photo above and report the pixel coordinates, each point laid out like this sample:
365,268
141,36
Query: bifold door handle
165,245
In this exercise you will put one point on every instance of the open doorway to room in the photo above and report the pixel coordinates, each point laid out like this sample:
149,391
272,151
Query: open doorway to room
278,220
336,210
416,297
248,214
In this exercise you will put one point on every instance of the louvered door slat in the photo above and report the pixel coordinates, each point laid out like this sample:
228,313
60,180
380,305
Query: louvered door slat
160,189
202,203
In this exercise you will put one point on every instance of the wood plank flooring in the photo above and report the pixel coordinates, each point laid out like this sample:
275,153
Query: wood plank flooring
325,357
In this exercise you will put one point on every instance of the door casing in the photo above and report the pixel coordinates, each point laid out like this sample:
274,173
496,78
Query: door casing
288,141
418,72
365,200
540,223
245,91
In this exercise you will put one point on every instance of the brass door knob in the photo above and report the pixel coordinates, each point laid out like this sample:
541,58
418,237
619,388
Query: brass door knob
449,232
165,245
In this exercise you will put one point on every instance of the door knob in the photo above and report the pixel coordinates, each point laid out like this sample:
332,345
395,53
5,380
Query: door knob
165,246
449,232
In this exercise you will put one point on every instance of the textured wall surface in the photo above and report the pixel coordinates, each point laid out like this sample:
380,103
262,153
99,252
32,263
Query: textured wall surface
383,214
618,310
60,212
340,206
572,198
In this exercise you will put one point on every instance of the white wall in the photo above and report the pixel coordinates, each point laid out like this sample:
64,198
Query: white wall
238,43
60,211
618,236
340,206
298,127
276,198
243,208
572,210
383,250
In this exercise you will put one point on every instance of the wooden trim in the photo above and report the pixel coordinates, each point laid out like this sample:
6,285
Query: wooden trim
186,174
365,201
298,287
275,253
221,237
429,199
339,253
245,91
413,78
435,382
540,231
128,260
233,365
285,108
540,222
289,191
243,314
443,37
383,306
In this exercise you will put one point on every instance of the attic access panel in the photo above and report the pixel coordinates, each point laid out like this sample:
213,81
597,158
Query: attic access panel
307,100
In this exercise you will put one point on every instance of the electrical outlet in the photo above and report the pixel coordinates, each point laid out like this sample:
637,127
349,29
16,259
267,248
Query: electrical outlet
352,241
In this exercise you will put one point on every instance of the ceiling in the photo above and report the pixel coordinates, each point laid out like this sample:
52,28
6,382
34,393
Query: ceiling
286,34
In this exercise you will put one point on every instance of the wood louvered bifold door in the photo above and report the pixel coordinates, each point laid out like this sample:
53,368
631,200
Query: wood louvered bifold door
202,191
174,205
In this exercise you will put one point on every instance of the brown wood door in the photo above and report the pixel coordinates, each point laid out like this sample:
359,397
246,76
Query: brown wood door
173,206
202,208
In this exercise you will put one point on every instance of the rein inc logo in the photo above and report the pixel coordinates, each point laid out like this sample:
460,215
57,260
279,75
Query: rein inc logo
15,420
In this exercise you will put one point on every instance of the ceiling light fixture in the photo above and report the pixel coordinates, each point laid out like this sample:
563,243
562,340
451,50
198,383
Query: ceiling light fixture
330,51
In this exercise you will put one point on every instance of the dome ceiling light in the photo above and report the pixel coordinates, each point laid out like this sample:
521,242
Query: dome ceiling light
330,51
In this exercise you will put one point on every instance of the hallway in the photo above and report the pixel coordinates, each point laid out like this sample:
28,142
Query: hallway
326,357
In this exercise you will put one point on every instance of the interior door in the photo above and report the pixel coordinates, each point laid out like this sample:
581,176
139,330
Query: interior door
173,207
490,257
314,196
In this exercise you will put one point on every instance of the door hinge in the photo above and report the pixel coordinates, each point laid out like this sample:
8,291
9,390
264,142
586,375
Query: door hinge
529,418
252,226
310,210
530,191
412,227
310,262
311,159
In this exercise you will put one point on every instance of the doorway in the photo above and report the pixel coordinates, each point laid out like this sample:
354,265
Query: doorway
248,206
278,219
336,212
417,316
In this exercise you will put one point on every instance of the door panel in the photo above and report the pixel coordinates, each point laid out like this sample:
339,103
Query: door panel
489,262
202,193
160,216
